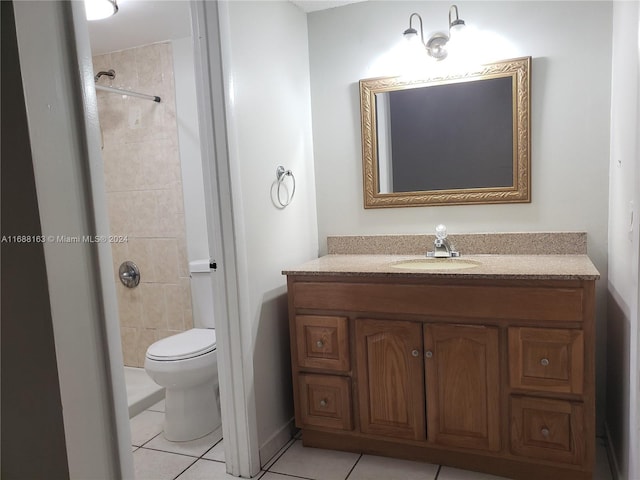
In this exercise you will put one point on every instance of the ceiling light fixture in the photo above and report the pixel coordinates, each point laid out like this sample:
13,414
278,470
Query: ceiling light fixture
99,9
437,44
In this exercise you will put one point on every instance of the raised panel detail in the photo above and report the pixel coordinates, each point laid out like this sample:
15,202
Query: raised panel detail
546,359
390,378
547,429
323,342
462,375
325,401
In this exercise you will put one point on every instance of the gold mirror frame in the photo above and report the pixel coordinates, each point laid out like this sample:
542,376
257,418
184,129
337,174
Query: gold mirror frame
520,192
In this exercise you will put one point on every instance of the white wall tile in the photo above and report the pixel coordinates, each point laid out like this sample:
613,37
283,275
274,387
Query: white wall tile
145,202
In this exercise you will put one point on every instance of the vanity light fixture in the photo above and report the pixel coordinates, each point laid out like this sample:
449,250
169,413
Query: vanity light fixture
437,44
99,9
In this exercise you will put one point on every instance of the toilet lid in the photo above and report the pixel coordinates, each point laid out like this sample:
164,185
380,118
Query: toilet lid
189,344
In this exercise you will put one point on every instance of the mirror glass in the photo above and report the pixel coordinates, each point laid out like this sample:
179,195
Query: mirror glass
453,139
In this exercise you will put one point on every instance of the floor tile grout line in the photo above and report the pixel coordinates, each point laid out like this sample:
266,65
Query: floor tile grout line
284,450
209,449
289,475
190,465
354,466
140,446
178,453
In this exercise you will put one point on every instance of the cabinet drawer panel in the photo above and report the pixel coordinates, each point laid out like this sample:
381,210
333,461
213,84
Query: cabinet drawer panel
323,342
325,401
547,429
546,359
483,301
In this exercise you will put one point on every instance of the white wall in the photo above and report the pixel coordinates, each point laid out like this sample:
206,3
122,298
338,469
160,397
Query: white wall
270,124
623,398
570,121
189,144
570,43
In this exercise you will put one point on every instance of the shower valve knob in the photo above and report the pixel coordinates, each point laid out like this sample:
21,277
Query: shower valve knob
129,274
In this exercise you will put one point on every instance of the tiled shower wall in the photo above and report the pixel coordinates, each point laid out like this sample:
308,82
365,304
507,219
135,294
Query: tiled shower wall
145,203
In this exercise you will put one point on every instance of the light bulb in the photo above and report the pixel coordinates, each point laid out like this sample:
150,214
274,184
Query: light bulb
99,9
411,35
456,30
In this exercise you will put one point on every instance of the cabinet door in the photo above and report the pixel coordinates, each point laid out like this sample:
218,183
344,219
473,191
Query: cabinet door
390,378
463,389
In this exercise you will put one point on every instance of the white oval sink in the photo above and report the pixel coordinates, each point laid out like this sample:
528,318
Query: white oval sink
426,264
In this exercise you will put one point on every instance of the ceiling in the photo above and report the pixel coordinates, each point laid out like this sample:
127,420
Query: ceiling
315,5
142,22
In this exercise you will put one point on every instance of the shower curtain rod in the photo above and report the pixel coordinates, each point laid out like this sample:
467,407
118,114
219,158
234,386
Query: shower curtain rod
155,98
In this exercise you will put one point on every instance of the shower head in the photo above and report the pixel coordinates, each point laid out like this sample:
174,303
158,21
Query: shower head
110,73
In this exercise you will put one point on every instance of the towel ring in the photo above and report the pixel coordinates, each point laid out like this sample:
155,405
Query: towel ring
281,174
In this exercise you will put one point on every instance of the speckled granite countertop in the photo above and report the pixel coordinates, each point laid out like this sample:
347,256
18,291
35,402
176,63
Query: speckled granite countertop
524,267
527,243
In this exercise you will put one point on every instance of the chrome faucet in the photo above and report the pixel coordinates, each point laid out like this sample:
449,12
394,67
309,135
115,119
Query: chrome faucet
442,247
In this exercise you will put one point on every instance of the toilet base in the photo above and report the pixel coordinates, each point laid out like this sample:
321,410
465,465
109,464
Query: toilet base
191,413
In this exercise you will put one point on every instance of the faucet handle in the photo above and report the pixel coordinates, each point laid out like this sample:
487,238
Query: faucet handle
443,249
441,231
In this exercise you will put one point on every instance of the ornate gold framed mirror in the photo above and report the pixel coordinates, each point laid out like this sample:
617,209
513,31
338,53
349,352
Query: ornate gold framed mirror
462,138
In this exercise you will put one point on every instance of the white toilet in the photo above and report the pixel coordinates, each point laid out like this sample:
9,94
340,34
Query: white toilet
186,365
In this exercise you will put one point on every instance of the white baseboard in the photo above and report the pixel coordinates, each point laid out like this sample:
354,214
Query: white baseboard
276,442
613,461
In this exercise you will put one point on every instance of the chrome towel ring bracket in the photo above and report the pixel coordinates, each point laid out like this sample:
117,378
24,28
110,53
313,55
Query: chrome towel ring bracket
281,175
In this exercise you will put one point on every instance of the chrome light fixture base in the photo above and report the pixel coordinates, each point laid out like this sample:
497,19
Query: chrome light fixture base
437,44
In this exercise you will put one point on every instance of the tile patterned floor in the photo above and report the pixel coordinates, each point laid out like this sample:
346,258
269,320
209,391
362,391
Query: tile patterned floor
158,459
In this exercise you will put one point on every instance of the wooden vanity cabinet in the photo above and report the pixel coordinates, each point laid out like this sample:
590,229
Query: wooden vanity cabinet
484,374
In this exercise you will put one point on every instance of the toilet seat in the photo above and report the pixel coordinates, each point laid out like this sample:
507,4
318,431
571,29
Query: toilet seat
184,345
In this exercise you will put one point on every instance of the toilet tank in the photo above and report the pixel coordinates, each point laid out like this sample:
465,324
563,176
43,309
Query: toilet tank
201,294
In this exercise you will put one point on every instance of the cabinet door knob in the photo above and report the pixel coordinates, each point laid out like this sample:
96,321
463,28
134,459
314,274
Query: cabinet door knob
428,354
319,344
323,403
544,362
415,353
545,432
